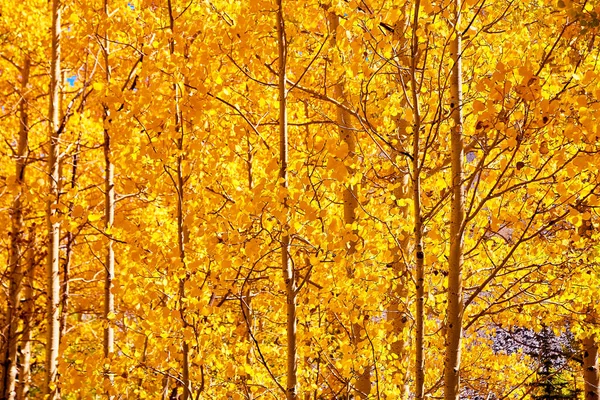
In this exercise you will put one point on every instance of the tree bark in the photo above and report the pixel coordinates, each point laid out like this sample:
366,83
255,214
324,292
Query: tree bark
181,228
109,218
418,218
286,264
53,286
9,363
26,316
590,368
455,262
350,200
398,313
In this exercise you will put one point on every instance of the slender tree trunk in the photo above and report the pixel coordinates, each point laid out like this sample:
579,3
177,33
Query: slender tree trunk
246,303
9,375
26,315
590,368
418,218
397,313
286,264
53,286
66,269
181,228
455,262
109,219
348,134
65,286
65,283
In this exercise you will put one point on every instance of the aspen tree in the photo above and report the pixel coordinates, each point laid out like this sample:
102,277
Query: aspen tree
457,217
286,262
8,384
53,217
26,316
398,312
65,267
350,200
591,375
181,228
109,214
418,218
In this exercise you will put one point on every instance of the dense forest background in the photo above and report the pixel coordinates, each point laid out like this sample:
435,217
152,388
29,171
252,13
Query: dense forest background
269,199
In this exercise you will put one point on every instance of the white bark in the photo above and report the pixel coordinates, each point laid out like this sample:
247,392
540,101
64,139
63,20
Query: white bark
286,263
53,286
455,262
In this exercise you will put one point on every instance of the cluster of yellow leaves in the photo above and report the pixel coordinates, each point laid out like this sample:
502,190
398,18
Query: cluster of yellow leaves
530,90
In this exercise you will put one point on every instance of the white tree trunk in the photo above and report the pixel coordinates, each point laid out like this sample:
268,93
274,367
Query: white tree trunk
455,263
53,286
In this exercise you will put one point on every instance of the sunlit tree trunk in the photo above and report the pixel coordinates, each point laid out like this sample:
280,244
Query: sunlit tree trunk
590,368
398,312
350,199
418,218
181,228
455,262
9,372
26,316
286,262
109,217
53,287
65,283
181,239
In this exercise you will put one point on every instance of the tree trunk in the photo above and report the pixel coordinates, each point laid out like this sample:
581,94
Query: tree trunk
350,199
590,368
286,264
418,218
455,263
65,285
109,219
9,375
398,312
26,316
53,286
181,228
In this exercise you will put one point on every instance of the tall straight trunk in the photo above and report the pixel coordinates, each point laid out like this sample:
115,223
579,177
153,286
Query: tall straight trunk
53,287
590,368
286,262
350,199
246,303
65,286
455,262
26,316
418,218
348,135
66,283
397,313
109,220
181,228
9,373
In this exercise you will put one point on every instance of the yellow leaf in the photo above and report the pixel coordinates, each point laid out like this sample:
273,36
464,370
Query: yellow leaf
94,217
